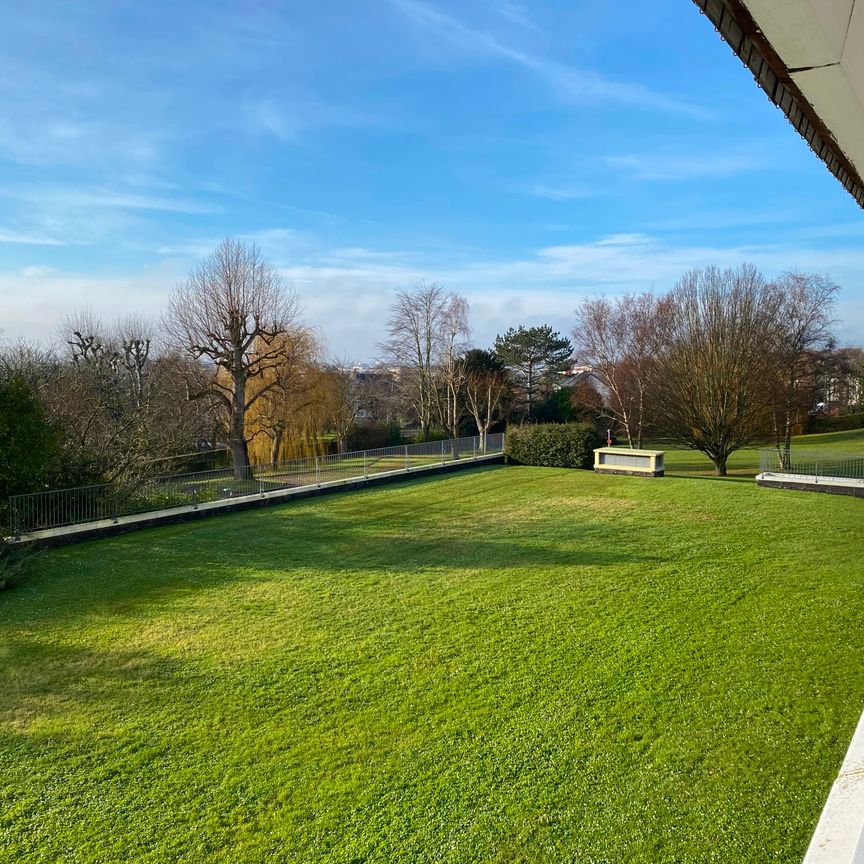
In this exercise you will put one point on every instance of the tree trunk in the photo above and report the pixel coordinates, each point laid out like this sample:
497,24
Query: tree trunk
787,432
719,465
237,427
276,446
239,457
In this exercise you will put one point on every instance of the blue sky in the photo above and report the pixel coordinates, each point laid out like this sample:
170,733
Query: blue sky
522,154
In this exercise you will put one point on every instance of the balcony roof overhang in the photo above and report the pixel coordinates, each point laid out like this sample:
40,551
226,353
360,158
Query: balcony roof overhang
808,57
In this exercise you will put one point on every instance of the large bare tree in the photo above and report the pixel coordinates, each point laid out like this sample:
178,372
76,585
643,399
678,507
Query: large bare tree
804,346
451,372
231,312
714,375
423,322
619,339
488,389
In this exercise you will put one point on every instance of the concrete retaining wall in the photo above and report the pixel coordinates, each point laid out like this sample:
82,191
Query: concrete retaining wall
108,527
804,483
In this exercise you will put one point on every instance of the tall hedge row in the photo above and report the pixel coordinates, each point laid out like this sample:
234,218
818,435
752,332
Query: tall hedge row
555,445
840,423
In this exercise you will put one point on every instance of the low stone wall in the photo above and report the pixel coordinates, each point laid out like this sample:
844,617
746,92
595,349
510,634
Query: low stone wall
804,483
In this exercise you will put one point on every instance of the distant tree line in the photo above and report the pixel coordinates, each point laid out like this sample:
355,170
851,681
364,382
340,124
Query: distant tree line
231,372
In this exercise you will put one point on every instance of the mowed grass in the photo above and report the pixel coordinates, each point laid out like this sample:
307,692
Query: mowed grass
507,665
745,462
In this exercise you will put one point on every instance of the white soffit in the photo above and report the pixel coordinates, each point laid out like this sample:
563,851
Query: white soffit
821,44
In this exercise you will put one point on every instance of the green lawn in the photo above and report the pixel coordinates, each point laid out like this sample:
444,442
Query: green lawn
745,463
507,665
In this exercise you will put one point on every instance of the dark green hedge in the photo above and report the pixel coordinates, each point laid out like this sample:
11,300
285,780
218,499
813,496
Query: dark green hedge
840,423
555,445
373,436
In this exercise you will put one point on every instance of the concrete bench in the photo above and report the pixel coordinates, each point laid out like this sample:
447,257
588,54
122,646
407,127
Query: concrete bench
623,460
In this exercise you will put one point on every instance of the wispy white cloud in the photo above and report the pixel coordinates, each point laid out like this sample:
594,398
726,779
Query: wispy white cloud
66,214
515,13
830,231
349,298
287,119
37,270
26,238
188,248
562,192
678,166
347,290
32,305
66,197
570,83
695,219
226,190
40,135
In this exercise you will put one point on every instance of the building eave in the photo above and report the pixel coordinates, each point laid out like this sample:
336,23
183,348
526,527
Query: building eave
739,30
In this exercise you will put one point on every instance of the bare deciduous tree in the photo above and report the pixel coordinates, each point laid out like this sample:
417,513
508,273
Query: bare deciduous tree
118,407
418,331
715,369
805,341
134,337
488,389
451,372
619,340
232,311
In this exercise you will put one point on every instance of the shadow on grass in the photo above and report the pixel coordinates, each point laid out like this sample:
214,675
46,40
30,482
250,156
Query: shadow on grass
153,567
729,478
43,680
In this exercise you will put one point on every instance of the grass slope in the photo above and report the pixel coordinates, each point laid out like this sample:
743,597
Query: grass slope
510,665
745,463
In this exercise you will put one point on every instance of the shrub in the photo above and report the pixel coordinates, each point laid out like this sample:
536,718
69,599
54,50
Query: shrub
434,434
373,437
12,563
28,446
840,423
555,445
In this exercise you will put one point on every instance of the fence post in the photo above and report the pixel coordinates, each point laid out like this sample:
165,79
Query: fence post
114,507
442,452
16,524
407,460
317,473
365,471
194,499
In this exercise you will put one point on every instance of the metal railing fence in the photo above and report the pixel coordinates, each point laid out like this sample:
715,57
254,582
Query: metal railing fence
812,463
63,507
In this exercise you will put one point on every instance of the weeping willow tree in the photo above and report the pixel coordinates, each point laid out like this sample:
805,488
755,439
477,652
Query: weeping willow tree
234,312
288,418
